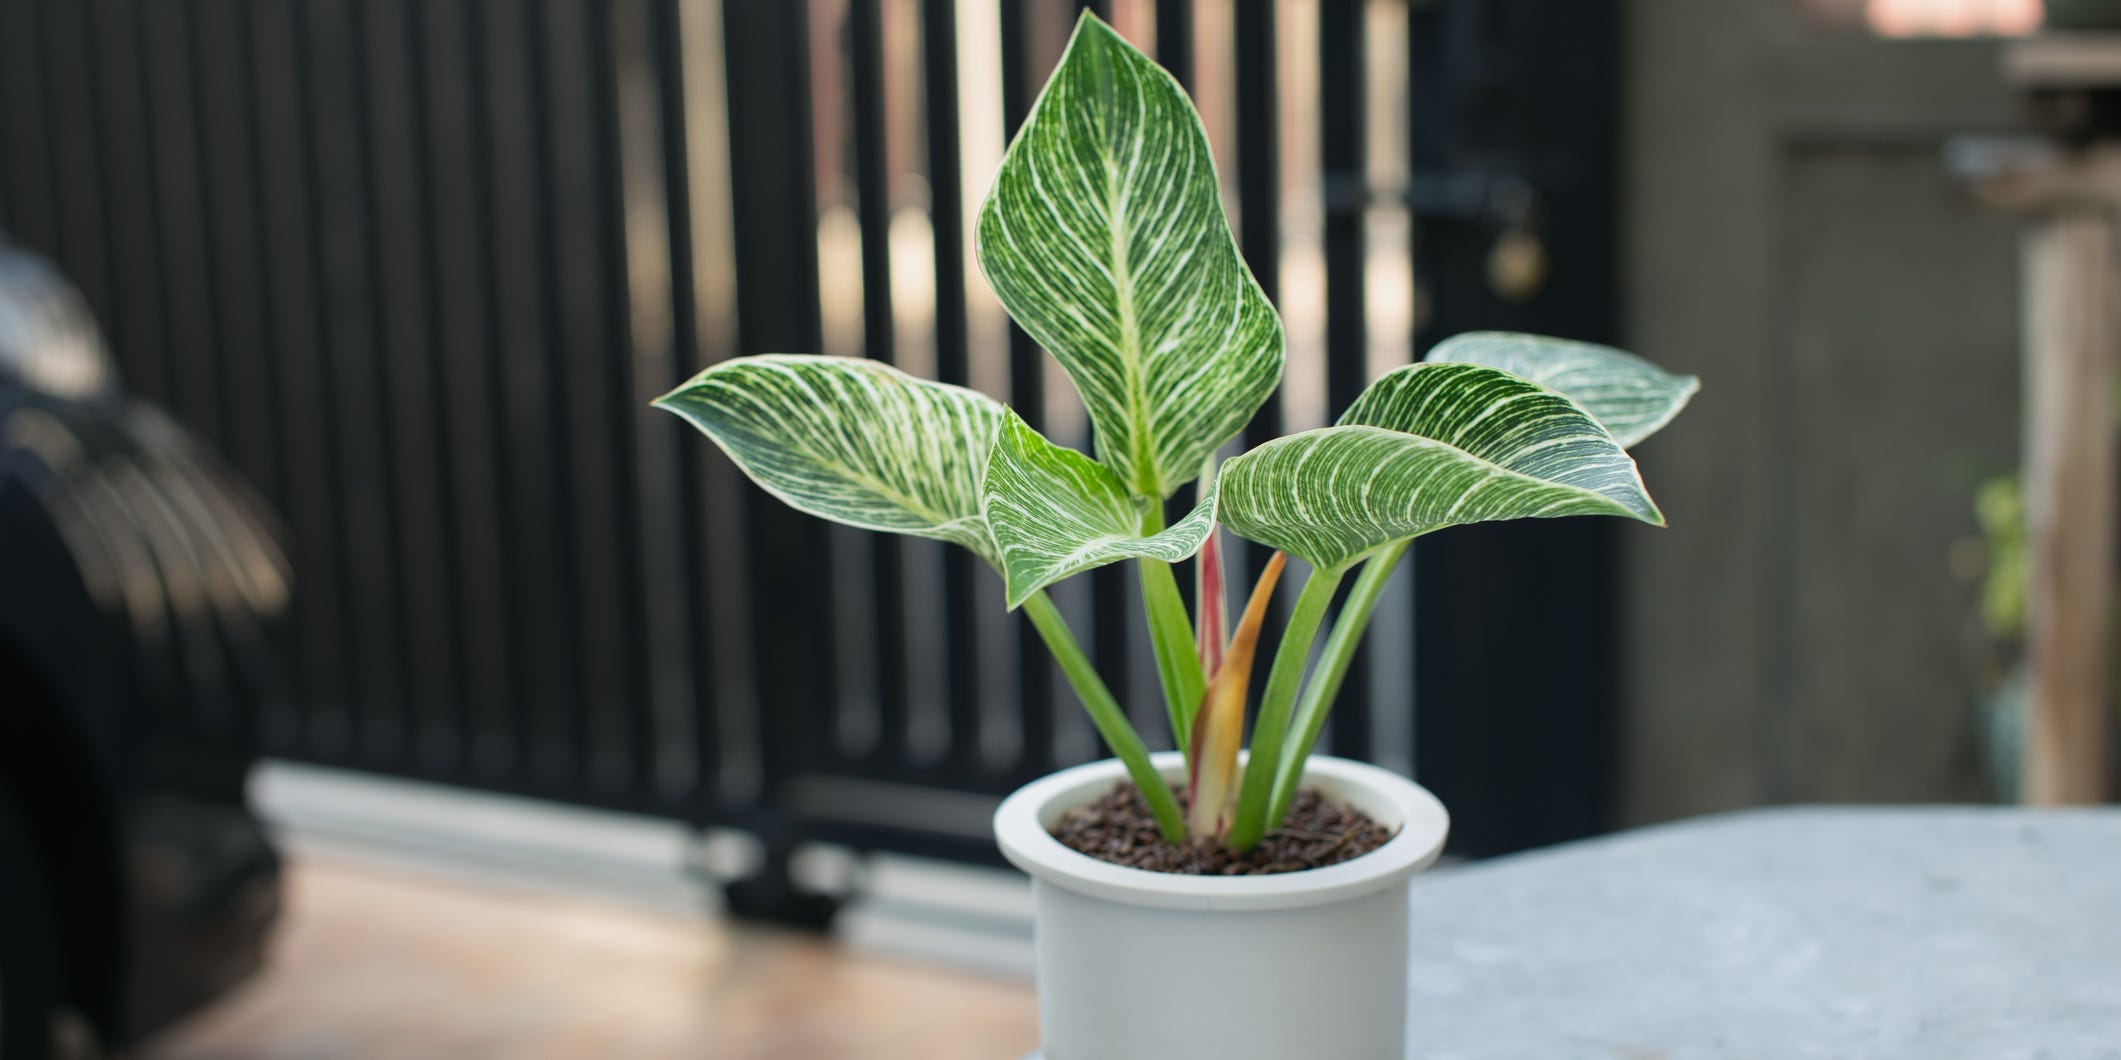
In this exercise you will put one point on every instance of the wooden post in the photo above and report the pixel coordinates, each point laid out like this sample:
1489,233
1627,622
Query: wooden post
2065,187
2070,337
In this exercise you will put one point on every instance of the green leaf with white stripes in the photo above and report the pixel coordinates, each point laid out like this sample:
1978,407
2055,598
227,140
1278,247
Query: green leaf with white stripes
1630,396
1425,447
1105,239
1055,513
853,441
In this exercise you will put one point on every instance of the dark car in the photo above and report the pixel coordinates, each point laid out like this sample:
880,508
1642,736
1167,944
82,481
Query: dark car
141,588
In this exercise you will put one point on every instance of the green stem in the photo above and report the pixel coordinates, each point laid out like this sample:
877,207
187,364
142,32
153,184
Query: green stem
1104,712
1171,634
1177,660
1332,669
1273,723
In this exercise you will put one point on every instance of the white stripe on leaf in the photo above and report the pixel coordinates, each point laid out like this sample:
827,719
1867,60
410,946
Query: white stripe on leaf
1425,447
1630,396
1104,237
853,441
1055,512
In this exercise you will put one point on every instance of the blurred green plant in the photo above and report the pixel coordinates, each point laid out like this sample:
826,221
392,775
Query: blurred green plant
1999,508
1104,237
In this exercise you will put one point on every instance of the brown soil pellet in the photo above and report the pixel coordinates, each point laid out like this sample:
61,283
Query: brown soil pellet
1318,832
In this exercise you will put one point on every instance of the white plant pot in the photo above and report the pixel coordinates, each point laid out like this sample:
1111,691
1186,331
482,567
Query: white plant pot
1138,965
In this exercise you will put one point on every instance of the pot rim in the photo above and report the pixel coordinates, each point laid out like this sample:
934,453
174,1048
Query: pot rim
1021,823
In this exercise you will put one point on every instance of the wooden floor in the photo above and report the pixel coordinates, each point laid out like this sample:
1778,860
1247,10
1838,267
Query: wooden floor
373,963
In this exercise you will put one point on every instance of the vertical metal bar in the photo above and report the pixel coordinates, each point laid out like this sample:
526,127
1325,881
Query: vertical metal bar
129,191
1035,676
167,383
924,606
873,208
726,672
188,257
512,350
360,389
95,92
273,93
567,312
27,129
1341,118
1174,39
778,310
442,125
1259,185
390,73
1441,725
630,748
1478,591
1390,316
13,35
230,329
690,738
530,440
563,746
454,147
218,65
1112,647
966,639
1019,88
646,91
979,135
582,322
857,726
69,96
370,671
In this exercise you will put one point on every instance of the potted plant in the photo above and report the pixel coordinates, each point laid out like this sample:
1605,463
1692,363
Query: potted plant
1104,237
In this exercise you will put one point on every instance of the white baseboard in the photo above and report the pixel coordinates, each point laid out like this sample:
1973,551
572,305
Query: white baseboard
974,918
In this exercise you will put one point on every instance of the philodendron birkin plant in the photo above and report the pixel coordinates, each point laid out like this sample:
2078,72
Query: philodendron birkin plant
1104,237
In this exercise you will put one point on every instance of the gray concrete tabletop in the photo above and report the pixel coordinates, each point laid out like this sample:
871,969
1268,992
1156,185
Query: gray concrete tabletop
1786,933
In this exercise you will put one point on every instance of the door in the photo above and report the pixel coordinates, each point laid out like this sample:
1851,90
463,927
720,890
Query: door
1791,236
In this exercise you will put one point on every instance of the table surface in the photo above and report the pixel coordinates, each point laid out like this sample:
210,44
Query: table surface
1785,933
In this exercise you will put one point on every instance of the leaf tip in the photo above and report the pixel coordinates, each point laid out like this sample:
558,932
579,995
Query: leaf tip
1089,18
1649,512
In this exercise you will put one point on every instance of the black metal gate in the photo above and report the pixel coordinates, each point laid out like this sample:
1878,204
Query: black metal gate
417,266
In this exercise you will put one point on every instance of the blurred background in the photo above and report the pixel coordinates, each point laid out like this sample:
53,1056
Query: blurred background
361,526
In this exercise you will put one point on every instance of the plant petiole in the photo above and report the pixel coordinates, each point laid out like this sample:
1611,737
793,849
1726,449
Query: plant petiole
1250,822
1332,669
1178,665
1105,713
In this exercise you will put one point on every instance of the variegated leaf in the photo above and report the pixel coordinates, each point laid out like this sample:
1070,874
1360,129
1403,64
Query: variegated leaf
1425,447
1630,396
1104,237
853,441
1055,512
